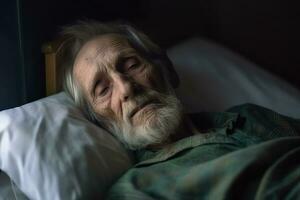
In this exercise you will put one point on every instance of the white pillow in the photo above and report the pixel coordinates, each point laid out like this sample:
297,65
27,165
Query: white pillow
52,152
214,78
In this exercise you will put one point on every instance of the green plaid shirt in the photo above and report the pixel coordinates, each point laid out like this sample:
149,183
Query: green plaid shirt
247,152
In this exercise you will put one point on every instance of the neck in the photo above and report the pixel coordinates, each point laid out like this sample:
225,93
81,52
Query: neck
185,129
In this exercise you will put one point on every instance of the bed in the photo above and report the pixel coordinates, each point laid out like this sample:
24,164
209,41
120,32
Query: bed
49,150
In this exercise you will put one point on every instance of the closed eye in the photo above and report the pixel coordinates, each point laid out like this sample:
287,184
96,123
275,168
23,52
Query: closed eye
133,67
101,88
131,63
104,91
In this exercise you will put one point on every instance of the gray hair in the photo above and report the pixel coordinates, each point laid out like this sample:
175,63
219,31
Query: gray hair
76,35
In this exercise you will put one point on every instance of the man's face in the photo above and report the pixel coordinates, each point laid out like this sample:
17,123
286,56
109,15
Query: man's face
126,92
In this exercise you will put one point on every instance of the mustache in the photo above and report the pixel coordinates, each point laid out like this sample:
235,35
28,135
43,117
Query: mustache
133,105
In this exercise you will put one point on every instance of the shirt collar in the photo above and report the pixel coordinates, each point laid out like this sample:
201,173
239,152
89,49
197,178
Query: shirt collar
214,127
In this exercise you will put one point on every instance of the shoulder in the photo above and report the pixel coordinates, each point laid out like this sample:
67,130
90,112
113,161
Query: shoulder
247,107
249,110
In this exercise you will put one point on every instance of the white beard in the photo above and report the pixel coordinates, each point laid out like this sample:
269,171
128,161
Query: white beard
156,126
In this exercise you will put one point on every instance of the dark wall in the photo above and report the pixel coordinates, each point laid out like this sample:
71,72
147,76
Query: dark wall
262,30
11,66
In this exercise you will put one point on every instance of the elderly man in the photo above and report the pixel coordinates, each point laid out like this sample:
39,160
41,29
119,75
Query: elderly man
125,83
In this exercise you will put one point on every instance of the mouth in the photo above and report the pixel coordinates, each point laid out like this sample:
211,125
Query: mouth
143,105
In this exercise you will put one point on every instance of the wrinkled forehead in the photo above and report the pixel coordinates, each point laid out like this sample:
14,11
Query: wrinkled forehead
102,46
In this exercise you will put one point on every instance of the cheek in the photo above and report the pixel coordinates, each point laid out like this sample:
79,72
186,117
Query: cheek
150,78
105,112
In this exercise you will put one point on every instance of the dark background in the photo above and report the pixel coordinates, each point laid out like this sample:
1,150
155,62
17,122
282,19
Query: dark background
264,31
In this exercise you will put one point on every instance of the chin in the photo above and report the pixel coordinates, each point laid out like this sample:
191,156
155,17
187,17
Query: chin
147,116
151,126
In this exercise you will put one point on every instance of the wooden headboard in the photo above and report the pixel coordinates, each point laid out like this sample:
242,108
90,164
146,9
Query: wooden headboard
52,72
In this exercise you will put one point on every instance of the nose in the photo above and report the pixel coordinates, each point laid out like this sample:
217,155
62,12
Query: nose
124,86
